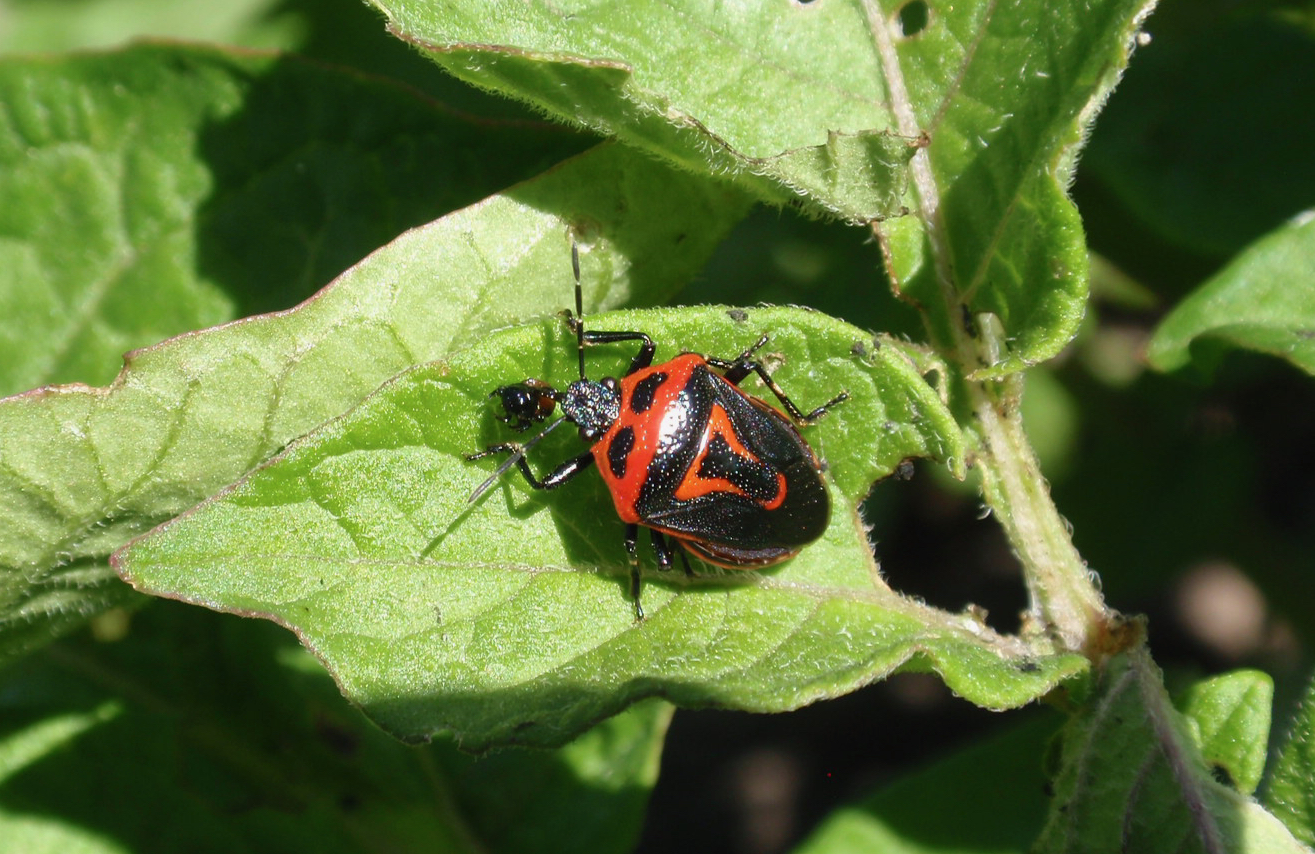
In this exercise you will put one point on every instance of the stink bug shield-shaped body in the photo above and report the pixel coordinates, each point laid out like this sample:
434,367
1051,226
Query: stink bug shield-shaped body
683,451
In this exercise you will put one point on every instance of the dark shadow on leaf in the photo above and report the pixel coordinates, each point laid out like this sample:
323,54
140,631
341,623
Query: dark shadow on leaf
264,755
321,166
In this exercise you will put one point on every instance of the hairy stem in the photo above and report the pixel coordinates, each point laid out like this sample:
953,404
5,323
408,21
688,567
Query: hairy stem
1064,599
1063,596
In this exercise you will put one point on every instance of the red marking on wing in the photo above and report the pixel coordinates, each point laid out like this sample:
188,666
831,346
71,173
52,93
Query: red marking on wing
692,485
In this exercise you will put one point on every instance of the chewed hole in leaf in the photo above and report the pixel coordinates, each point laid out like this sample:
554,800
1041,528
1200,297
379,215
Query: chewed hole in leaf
913,18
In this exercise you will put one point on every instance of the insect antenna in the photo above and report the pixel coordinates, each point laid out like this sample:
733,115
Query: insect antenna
518,456
579,305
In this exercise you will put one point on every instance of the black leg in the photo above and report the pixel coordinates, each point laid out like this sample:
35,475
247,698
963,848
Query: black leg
556,478
575,322
740,367
642,359
744,364
684,559
661,549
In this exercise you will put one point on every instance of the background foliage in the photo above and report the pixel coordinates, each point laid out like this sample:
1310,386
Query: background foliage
161,189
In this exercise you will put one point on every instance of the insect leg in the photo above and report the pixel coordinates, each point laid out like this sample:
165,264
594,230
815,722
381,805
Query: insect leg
642,359
555,478
661,549
744,364
684,559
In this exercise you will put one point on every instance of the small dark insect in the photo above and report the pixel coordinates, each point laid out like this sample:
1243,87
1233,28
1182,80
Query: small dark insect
684,452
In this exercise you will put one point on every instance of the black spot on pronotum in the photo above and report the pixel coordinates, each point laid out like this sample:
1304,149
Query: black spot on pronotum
618,453
641,399
913,18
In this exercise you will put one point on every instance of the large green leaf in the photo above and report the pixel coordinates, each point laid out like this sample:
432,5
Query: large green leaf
807,98
114,747
1006,93
85,469
1132,778
1261,301
159,189
786,98
507,620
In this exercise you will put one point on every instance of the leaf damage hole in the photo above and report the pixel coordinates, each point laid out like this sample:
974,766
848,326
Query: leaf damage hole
913,18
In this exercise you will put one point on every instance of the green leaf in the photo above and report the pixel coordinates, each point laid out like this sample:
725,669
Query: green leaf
1231,713
159,189
1261,301
995,790
1290,792
772,95
263,755
1006,114
50,27
84,470
1131,778
785,99
508,620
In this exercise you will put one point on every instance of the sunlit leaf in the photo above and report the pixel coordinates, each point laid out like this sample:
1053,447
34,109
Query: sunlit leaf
1231,713
159,189
1261,301
508,620
785,98
84,470
829,100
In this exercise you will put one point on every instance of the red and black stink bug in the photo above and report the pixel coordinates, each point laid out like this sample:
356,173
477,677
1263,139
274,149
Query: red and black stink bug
684,452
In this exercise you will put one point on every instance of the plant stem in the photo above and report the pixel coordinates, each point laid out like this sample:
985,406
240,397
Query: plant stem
1064,598
1063,594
